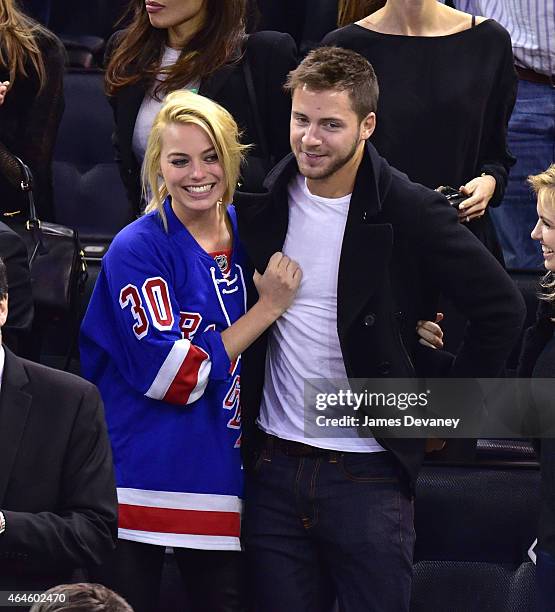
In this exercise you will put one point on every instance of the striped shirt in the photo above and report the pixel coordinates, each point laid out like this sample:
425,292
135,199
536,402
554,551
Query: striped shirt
531,24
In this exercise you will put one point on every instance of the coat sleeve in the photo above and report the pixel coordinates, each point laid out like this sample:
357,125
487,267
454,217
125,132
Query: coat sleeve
472,278
135,324
82,530
495,157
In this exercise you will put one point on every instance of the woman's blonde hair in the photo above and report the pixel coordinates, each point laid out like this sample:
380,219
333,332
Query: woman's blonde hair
185,107
543,185
18,43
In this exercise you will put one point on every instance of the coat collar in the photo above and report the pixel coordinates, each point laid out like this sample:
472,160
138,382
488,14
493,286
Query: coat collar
211,86
15,403
367,242
371,184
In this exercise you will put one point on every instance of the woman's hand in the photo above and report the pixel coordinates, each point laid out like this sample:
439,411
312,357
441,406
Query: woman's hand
431,334
480,191
276,291
278,285
3,91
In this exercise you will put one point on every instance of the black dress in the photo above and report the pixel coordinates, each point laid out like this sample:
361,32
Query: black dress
444,105
29,120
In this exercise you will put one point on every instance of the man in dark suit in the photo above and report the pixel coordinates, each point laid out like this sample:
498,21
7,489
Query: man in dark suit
57,492
330,515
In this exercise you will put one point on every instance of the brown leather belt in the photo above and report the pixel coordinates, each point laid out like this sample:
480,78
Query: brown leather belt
526,74
295,449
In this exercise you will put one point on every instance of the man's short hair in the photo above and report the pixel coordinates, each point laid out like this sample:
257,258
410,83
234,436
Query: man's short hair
342,69
81,597
3,280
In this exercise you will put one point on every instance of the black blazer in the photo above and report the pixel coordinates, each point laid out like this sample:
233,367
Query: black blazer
57,488
271,56
402,241
29,121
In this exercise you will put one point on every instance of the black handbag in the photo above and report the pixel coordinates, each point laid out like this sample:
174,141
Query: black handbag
56,259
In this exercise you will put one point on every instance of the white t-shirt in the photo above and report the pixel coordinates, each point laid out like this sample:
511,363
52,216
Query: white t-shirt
304,343
151,105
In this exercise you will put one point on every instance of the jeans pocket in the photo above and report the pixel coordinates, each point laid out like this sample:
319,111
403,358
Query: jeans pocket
260,458
369,467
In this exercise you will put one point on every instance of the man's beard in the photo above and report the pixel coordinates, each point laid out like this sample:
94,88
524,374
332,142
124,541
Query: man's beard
337,164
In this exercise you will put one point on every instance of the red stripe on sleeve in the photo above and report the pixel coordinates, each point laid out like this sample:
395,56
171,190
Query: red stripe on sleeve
186,378
171,520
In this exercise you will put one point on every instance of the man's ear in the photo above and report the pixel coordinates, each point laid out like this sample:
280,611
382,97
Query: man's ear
368,126
3,310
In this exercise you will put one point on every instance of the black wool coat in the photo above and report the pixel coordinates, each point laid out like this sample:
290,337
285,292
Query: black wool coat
402,243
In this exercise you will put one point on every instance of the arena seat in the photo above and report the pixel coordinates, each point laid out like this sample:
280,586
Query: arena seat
474,525
89,194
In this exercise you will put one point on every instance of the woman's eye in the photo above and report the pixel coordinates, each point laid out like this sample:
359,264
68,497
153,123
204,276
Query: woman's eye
211,159
178,162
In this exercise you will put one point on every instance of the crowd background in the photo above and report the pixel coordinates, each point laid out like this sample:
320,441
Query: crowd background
46,142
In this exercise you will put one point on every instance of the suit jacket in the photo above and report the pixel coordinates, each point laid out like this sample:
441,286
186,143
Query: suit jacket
271,56
57,488
21,309
402,242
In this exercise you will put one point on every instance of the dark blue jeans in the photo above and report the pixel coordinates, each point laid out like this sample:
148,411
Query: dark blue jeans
338,526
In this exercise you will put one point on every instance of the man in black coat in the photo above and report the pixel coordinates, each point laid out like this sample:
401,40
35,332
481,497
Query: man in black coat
332,517
58,508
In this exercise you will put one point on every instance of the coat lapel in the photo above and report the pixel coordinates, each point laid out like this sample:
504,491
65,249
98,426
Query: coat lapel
367,243
264,218
14,409
212,85
129,103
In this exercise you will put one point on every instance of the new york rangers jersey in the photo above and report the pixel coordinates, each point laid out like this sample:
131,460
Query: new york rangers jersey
151,342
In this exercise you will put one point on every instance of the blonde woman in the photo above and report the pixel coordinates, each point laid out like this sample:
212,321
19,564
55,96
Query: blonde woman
162,339
537,360
31,102
198,45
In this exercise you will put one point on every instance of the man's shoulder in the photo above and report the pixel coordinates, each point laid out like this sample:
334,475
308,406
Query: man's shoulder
405,197
51,383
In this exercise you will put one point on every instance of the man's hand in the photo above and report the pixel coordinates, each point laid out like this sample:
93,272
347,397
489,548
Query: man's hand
480,191
3,91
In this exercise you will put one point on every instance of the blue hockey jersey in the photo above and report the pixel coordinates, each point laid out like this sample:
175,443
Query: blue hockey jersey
151,342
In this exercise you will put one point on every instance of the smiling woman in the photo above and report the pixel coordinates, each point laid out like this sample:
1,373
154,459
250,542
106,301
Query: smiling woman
162,339
198,45
544,230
